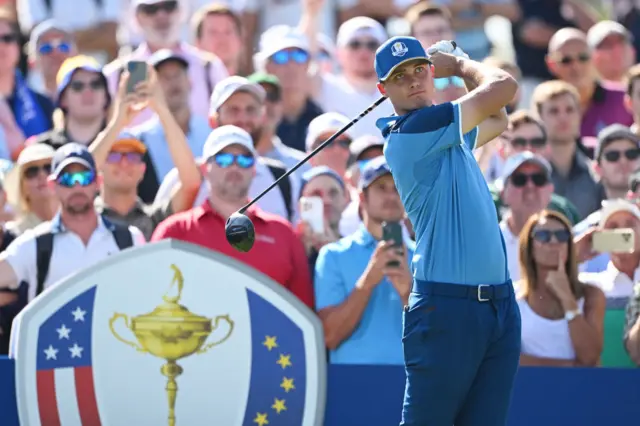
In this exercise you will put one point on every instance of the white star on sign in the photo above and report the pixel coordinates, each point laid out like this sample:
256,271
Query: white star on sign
78,314
76,351
63,332
51,352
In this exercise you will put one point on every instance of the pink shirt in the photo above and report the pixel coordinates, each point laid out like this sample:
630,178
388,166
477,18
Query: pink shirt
201,84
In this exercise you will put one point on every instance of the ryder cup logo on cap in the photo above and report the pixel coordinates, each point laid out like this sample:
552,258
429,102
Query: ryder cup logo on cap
225,136
395,52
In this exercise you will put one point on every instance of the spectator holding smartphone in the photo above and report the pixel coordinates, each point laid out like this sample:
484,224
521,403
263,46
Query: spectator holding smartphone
359,297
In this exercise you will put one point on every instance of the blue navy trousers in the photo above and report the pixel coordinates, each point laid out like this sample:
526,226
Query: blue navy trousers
461,350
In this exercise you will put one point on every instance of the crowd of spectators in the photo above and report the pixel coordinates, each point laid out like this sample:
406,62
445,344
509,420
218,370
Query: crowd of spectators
238,91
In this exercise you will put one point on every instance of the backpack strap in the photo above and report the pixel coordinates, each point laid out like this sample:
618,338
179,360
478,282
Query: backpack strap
284,186
207,77
44,249
121,234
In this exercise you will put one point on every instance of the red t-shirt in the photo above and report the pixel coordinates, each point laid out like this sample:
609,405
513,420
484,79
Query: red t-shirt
277,252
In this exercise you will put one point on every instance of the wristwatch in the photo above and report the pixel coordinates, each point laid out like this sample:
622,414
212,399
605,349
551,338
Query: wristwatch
570,315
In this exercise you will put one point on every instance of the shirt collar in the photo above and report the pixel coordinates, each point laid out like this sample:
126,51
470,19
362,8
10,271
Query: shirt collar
57,227
254,212
364,237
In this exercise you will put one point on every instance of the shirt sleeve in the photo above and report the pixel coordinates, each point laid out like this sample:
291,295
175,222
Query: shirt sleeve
167,229
471,138
218,71
439,127
21,256
300,280
329,287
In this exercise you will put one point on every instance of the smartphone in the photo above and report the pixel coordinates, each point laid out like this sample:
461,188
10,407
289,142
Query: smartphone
614,240
312,212
392,231
137,73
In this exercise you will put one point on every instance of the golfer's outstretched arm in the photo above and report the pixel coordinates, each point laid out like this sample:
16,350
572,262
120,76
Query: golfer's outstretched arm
494,89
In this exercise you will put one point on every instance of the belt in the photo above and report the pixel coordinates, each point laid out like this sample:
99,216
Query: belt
481,293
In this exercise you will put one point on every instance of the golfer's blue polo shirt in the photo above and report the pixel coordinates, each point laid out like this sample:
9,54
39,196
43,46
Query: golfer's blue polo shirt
458,239
378,337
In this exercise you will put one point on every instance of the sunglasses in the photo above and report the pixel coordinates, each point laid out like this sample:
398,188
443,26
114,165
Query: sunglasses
225,159
568,60
59,45
83,178
342,143
519,180
629,154
117,157
79,86
370,45
33,171
152,9
525,143
545,235
443,83
8,38
283,57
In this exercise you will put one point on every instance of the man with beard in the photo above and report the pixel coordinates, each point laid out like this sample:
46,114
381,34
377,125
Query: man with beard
77,237
160,24
230,167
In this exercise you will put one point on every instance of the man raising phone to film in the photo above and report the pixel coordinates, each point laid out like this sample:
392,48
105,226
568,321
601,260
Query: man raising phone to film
462,324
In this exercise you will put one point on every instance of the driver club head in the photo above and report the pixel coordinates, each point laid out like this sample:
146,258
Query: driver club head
240,232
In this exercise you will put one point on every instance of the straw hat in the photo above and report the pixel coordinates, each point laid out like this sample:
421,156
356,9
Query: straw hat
30,154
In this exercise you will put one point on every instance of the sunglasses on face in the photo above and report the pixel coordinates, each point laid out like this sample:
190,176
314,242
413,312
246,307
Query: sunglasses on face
117,157
629,154
225,159
525,143
568,60
283,57
519,180
370,45
8,38
33,171
342,143
83,178
152,9
79,86
443,83
545,235
49,47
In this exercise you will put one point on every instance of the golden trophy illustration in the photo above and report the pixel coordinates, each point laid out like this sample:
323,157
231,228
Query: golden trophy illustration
171,332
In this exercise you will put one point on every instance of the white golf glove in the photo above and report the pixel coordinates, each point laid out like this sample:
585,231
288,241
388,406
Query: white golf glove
446,46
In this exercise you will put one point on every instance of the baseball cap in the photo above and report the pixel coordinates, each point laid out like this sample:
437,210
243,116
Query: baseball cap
395,52
43,28
264,78
374,169
129,142
611,207
612,133
281,37
166,55
35,152
230,85
358,27
70,66
315,172
363,143
514,162
225,136
603,29
71,153
137,3
327,122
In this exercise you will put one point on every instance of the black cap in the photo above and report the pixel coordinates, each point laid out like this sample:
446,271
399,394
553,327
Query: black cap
612,133
164,56
71,153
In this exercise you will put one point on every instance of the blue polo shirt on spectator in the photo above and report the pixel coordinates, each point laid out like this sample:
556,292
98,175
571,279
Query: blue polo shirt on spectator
378,337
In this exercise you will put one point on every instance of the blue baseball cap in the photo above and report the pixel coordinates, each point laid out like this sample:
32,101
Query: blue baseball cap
314,172
395,52
71,153
374,169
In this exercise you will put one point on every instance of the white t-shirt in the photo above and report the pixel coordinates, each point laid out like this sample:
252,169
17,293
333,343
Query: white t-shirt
337,95
69,254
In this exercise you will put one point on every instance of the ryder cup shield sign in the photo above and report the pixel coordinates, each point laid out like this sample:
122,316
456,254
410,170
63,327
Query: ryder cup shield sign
169,333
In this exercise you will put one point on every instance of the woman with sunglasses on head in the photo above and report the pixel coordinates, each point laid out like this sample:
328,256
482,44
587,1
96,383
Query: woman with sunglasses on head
27,190
562,318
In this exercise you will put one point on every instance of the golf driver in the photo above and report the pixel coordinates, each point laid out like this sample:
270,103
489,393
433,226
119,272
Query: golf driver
239,229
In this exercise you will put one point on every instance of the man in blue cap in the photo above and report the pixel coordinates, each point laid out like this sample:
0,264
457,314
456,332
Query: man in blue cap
461,325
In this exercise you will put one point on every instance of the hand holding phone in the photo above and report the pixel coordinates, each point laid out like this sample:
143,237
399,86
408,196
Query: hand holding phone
392,231
614,240
312,212
137,74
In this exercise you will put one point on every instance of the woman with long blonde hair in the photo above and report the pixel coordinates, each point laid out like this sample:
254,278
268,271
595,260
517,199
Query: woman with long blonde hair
562,318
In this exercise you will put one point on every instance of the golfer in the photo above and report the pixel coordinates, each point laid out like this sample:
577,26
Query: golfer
462,326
